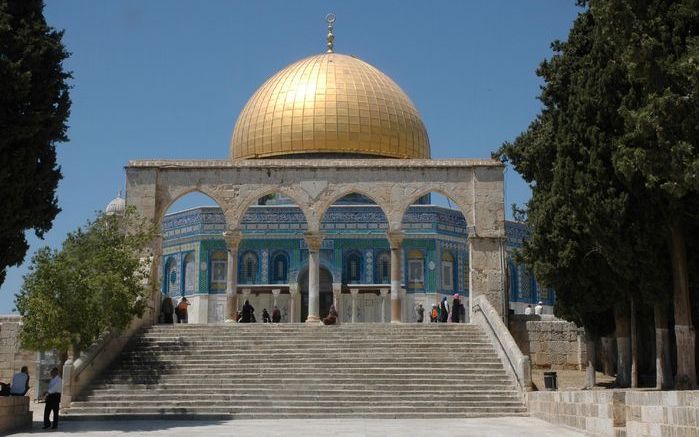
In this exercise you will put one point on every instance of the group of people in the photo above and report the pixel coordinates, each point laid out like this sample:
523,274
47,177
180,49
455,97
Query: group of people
248,314
538,309
168,309
20,386
443,313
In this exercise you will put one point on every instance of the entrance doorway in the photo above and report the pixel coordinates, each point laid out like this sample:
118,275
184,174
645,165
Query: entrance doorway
325,293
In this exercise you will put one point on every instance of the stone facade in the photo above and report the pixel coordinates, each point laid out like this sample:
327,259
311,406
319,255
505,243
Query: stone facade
550,343
15,414
620,412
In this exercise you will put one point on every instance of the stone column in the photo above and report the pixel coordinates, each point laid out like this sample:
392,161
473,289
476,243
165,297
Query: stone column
486,271
395,240
294,293
337,299
313,241
384,297
232,239
156,275
275,295
354,292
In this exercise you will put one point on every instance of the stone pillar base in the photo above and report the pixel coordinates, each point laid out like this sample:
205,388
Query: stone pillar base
313,319
686,365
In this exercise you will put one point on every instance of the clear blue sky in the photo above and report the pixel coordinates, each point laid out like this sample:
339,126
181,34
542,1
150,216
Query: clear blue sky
167,79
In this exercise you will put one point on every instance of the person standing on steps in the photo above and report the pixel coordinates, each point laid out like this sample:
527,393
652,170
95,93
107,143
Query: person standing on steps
434,314
53,399
276,315
420,311
444,310
528,310
456,309
248,312
182,310
167,309
265,316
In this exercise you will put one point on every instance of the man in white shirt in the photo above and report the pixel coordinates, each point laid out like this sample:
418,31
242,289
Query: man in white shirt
20,382
53,399
539,308
528,310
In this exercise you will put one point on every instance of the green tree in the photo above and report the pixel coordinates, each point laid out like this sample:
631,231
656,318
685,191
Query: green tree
596,217
34,108
95,283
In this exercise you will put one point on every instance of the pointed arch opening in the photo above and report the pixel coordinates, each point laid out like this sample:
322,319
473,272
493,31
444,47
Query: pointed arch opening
436,250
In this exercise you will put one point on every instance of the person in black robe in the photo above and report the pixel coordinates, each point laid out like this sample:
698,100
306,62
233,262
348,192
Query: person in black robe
248,312
265,316
444,310
331,319
276,315
167,309
456,309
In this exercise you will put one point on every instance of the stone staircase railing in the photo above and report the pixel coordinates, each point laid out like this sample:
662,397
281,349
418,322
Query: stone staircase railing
78,373
514,361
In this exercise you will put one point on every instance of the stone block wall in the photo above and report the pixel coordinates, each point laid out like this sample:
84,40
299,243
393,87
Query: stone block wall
12,356
551,343
14,414
672,413
620,413
590,411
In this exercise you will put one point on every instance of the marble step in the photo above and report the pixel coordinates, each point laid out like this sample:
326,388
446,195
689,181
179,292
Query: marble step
236,386
374,396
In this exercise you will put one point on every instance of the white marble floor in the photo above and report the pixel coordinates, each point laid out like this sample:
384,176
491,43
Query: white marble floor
490,427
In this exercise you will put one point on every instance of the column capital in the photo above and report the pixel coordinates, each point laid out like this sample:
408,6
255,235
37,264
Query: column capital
395,238
276,291
293,289
232,238
313,240
354,292
337,287
384,292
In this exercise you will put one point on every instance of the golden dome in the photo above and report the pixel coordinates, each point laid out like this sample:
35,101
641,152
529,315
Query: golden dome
329,104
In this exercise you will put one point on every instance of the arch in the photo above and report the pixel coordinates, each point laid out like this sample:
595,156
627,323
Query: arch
352,267
341,192
462,204
416,269
279,267
236,214
383,268
189,274
448,271
171,280
248,270
171,199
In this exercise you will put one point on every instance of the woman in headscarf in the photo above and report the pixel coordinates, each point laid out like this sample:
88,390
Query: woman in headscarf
248,311
455,309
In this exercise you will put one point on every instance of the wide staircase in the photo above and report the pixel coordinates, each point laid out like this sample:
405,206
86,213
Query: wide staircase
296,371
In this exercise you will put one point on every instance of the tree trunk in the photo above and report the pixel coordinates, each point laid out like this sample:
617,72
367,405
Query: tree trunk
634,346
590,372
686,378
623,345
663,360
608,356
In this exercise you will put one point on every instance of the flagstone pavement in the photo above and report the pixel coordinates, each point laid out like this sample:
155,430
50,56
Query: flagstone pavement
491,427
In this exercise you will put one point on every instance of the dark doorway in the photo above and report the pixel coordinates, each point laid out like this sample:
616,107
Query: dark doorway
325,289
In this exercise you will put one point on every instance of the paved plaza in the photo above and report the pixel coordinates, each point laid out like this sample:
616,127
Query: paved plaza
491,427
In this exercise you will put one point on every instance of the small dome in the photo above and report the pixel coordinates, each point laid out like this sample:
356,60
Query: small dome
329,104
116,206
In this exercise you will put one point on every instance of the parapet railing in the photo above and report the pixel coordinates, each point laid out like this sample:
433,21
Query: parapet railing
516,363
78,373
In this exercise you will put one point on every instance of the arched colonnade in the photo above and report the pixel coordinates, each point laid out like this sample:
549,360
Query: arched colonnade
475,186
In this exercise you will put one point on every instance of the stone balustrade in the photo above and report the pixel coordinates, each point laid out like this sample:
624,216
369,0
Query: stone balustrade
551,343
